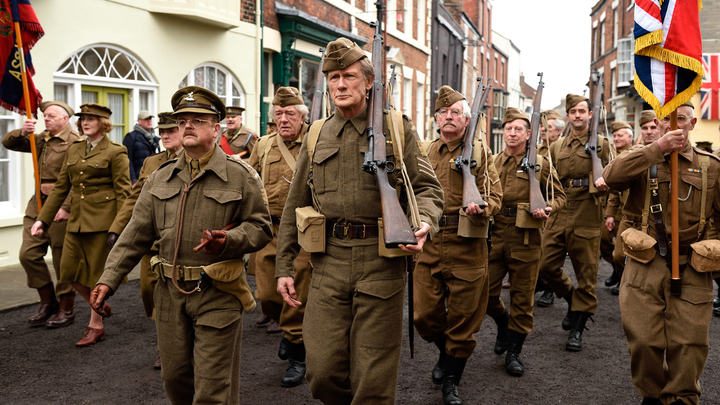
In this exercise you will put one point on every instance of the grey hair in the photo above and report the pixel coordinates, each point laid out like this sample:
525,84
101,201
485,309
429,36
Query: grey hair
63,112
559,124
301,108
467,112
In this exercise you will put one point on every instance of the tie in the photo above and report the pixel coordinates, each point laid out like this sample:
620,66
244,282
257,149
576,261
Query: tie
88,148
194,168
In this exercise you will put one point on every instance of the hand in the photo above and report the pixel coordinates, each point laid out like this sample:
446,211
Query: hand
97,298
610,223
672,141
542,213
286,289
421,236
111,239
600,184
62,215
28,127
38,229
474,209
215,241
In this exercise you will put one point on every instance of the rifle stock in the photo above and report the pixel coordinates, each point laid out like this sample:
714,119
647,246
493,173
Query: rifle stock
396,227
592,146
464,162
529,164
316,107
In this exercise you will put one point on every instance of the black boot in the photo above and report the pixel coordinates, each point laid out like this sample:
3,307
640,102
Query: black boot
615,290
454,368
613,279
540,285
716,311
566,322
716,301
501,339
438,372
574,342
513,364
295,372
285,348
547,299
651,401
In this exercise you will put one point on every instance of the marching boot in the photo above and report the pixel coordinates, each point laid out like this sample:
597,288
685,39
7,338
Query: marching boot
295,372
66,315
613,279
574,342
716,301
547,299
513,364
285,348
540,285
566,322
615,290
438,372
651,401
502,334
454,368
716,311
48,305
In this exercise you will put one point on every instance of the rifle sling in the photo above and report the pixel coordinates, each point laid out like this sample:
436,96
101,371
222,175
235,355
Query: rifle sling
289,159
656,210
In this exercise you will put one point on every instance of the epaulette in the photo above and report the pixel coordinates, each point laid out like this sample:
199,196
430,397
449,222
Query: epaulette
703,152
166,163
245,165
82,139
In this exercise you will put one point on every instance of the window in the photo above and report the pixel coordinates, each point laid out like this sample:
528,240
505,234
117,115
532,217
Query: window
595,43
613,87
626,49
407,98
420,106
602,38
218,80
615,28
9,169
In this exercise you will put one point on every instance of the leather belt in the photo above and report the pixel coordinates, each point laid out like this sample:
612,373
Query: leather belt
449,220
185,273
509,211
576,183
656,209
349,231
275,219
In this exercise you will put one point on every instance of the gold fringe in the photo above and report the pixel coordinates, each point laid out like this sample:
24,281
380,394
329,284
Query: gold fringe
652,38
700,5
662,111
674,58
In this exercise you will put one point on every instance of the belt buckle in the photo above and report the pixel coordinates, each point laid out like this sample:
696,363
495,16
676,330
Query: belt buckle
363,232
346,230
655,208
181,272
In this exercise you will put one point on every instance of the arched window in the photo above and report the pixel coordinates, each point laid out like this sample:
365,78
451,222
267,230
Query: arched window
218,80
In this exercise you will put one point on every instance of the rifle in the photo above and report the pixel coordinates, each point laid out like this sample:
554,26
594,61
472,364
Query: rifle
529,163
396,227
316,107
592,146
465,162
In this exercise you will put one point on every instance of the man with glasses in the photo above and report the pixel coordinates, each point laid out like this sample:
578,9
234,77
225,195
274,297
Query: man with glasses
549,134
237,139
451,279
200,295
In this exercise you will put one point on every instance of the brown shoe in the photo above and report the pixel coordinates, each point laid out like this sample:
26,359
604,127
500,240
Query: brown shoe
274,328
91,336
61,320
158,364
263,320
46,311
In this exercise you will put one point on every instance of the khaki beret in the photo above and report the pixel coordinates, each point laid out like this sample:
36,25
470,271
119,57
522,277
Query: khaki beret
571,100
194,99
234,110
287,96
46,104
647,116
447,97
619,125
166,121
512,114
552,115
340,54
704,144
94,109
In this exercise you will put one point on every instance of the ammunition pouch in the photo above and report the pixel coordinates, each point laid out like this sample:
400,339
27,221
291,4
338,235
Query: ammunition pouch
525,219
384,251
705,256
311,229
473,226
638,245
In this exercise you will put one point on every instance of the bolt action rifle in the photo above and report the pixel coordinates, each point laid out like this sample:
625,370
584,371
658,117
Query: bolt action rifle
529,163
316,107
592,147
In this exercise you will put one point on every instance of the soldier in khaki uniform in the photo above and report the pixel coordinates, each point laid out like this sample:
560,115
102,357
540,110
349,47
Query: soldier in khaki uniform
198,313
667,335
549,134
516,250
238,139
51,145
576,229
353,322
96,170
451,283
275,159
649,130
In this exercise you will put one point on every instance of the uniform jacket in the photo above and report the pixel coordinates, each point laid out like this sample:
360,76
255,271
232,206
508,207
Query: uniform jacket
138,149
226,191
238,139
515,183
100,182
616,199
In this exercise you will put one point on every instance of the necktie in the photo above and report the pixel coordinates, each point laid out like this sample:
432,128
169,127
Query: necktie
194,168
88,148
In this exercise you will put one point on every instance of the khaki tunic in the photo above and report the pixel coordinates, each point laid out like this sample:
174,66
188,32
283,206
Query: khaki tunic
208,323
667,335
277,176
353,319
575,230
517,251
450,278
51,153
100,182
239,142
542,150
609,240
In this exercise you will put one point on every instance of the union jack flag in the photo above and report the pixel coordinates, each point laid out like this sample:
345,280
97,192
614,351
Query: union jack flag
710,102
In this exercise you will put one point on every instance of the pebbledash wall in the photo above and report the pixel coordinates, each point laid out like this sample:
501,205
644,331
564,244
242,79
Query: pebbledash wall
130,55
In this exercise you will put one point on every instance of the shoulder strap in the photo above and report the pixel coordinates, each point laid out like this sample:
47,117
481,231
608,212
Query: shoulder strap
289,159
312,137
704,167
425,146
263,146
557,146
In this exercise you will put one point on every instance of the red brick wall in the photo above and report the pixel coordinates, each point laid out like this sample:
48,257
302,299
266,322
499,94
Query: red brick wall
320,9
247,11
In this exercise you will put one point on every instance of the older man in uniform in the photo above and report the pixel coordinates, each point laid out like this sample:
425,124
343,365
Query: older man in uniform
353,323
275,159
51,146
451,283
200,296
516,245
667,334
575,231
555,128
610,245
238,139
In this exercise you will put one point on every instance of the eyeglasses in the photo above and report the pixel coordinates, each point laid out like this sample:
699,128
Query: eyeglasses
517,130
453,113
195,122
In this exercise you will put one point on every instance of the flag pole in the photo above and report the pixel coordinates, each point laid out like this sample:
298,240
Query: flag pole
28,112
675,283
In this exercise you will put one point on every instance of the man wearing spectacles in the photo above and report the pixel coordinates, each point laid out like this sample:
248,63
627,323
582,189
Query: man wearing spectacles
549,134
237,139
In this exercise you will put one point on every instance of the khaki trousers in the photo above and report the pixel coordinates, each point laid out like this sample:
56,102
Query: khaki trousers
147,283
618,253
353,325
667,335
451,290
272,304
199,337
607,242
33,251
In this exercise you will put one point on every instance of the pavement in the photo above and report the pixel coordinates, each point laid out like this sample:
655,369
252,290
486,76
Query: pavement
14,292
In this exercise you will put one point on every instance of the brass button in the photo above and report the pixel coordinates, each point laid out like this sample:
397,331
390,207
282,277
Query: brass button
81,185
83,160
81,172
82,197
107,198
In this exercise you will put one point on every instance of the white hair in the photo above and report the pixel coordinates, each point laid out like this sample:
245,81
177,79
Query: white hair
301,108
466,111
559,124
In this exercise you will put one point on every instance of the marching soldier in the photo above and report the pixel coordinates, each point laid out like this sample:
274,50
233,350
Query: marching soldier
555,128
451,282
667,334
238,139
51,145
575,231
353,324
516,241
649,130
200,296
275,159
